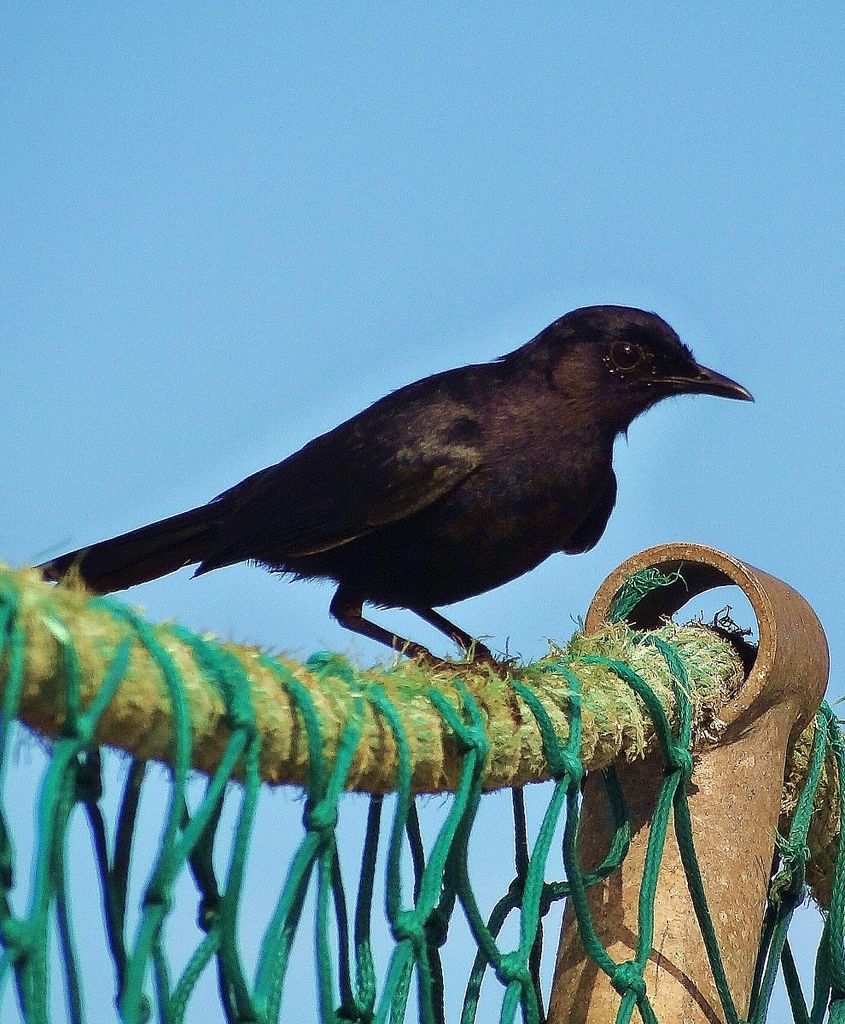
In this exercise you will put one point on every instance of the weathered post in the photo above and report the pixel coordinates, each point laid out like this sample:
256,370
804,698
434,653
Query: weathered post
734,798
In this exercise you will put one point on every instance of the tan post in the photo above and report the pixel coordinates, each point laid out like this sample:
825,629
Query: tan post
734,798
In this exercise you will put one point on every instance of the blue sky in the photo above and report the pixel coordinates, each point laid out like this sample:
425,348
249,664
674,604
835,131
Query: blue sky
227,228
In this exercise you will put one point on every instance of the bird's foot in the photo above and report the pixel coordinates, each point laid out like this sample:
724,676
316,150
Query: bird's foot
483,661
478,657
481,656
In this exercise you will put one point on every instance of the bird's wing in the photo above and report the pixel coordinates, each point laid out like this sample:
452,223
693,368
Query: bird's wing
592,526
341,486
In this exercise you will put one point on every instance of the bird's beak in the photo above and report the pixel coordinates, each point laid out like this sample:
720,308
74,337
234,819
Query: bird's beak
702,381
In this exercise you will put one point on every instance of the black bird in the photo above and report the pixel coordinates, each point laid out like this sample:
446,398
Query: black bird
441,490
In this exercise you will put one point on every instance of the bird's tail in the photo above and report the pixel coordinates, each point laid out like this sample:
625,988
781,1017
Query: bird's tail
143,554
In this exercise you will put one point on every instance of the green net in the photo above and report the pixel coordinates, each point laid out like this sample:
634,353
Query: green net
90,673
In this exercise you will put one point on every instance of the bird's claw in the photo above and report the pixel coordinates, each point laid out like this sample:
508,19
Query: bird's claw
476,658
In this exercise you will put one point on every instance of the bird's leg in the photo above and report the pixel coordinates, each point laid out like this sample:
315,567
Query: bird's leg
346,607
470,645
480,654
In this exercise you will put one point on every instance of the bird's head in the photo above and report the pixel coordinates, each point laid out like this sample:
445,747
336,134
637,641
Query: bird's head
621,361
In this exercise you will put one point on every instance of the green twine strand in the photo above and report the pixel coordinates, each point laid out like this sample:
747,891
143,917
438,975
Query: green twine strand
635,588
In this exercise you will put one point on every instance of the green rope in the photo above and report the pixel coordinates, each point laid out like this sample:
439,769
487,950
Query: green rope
830,968
635,588
350,985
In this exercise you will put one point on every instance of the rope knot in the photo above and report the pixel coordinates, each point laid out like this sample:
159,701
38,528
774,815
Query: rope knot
208,916
320,818
353,1014
17,937
794,853
516,890
155,896
680,760
89,783
512,968
570,764
409,926
242,719
628,977
788,883
328,663
80,730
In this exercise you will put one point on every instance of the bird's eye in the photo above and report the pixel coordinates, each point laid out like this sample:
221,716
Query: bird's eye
624,356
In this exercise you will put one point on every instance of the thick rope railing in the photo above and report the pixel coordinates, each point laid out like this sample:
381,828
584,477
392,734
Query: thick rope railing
176,685
89,671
